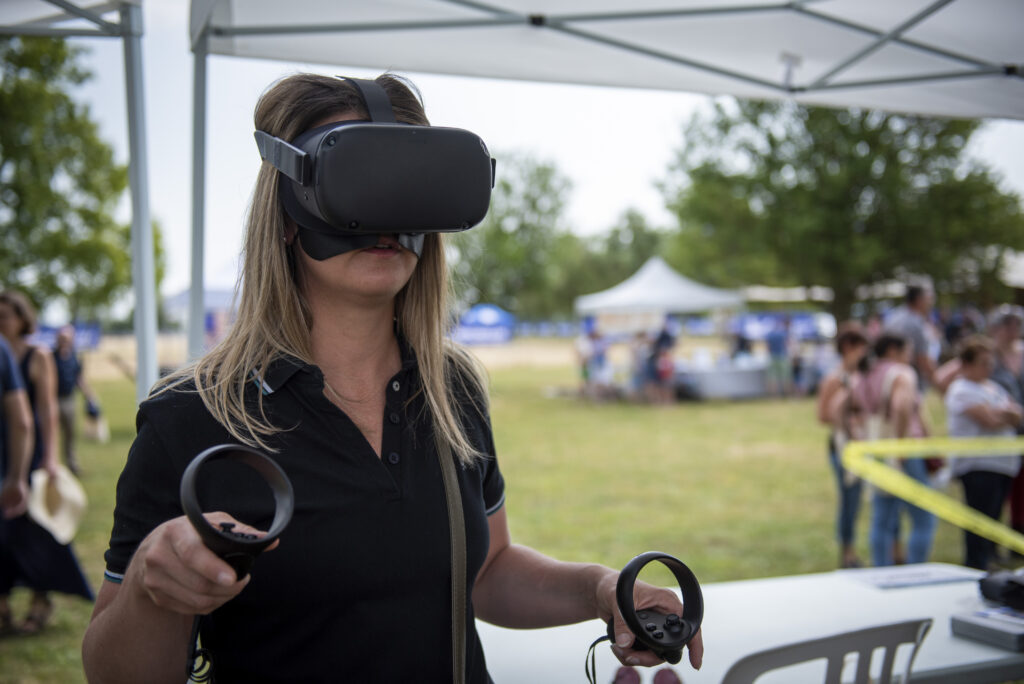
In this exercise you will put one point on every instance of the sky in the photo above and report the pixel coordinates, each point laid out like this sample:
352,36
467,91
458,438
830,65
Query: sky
591,134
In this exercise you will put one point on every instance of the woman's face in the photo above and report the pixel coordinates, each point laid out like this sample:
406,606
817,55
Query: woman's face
980,368
10,323
854,352
369,276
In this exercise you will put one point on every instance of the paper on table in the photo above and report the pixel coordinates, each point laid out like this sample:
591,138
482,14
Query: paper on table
899,576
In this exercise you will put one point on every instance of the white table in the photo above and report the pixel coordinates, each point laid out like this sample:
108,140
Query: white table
747,616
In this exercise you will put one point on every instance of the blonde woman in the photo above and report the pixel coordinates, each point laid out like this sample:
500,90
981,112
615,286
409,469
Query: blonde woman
338,367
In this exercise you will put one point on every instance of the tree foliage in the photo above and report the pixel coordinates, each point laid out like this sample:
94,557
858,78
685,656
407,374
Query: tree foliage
779,193
59,184
508,260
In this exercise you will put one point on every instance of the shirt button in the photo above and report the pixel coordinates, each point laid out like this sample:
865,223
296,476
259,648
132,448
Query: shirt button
394,418
395,386
394,458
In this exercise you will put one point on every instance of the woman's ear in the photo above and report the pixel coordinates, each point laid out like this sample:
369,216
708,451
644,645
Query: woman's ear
290,230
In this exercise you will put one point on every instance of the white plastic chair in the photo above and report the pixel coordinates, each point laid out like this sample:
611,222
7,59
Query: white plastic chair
835,648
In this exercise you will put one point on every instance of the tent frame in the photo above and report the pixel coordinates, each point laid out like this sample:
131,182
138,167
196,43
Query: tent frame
129,30
570,24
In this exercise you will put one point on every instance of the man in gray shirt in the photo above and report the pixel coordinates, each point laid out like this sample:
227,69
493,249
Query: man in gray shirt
910,321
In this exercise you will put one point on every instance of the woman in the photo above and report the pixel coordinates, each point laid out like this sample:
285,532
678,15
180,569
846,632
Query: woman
339,369
891,403
837,411
976,406
31,556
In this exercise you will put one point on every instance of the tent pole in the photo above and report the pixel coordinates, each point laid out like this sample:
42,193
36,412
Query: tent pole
196,308
143,263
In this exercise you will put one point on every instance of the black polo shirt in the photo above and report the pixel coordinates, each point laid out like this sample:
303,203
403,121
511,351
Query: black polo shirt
359,589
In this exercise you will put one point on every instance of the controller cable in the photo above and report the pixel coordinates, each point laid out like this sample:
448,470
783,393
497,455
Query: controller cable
200,669
590,662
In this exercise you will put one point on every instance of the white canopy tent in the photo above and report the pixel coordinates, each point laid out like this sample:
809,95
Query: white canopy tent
657,289
115,19
957,58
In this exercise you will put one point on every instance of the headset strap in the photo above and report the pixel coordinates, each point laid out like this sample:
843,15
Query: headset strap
457,537
378,104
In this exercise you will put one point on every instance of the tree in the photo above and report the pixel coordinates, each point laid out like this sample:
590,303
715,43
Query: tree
510,259
59,184
784,194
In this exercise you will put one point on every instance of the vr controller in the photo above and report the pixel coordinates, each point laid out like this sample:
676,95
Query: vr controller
238,549
664,634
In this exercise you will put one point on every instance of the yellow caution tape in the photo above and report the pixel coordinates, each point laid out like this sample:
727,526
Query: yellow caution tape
863,459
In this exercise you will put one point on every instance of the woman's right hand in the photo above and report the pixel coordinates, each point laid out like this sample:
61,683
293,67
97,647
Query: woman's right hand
177,572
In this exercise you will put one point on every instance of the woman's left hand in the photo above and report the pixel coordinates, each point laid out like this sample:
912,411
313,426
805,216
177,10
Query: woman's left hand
645,596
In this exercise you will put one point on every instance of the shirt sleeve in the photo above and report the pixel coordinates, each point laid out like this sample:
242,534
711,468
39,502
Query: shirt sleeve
147,495
10,376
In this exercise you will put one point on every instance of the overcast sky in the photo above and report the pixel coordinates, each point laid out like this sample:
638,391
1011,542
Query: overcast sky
594,135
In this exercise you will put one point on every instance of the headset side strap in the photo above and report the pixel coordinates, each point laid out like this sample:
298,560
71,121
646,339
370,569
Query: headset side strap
285,157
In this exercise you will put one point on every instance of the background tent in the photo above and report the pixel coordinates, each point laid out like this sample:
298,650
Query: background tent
656,288
485,324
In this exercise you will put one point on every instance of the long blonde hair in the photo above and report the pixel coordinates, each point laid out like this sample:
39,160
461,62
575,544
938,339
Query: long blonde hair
273,316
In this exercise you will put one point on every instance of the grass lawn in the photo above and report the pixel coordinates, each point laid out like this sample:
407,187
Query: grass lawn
736,490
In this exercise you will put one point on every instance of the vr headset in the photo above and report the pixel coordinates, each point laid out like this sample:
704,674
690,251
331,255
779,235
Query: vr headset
345,183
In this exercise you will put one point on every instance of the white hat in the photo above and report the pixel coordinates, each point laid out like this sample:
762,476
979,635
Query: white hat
56,504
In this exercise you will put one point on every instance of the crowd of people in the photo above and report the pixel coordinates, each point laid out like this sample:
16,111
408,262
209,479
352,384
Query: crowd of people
652,372
877,390
33,383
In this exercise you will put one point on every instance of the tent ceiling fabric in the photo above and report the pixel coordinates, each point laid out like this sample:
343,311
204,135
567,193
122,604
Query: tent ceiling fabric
957,58
659,289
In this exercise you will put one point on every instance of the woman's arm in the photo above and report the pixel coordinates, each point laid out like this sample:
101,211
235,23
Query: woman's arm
139,629
993,417
521,588
44,376
829,386
18,419
946,374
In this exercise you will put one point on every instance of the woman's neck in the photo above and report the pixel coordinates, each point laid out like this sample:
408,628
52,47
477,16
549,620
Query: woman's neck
356,349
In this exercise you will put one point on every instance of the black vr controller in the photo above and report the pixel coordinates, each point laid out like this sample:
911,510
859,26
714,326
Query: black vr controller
664,634
238,549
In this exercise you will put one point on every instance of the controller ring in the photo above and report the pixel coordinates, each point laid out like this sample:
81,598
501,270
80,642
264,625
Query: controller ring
239,552
693,604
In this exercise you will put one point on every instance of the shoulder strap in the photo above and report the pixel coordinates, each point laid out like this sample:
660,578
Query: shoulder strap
457,537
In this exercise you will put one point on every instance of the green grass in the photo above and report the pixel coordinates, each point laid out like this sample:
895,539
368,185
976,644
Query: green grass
737,490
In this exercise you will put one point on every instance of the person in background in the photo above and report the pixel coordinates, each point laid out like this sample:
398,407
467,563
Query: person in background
70,378
15,461
34,558
910,321
639,350
1005,324
780,365
836,410
976,406
891,404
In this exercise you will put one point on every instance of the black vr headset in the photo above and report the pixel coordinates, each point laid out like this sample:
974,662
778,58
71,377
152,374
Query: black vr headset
348,182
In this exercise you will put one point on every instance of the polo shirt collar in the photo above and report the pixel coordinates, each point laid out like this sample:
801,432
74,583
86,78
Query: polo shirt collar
284,367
